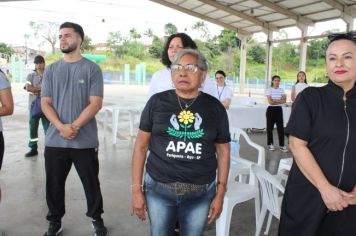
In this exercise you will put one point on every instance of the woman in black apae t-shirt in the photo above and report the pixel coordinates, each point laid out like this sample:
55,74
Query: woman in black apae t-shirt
187,133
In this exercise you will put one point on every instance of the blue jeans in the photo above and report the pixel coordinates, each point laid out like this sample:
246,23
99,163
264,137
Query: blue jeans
165,207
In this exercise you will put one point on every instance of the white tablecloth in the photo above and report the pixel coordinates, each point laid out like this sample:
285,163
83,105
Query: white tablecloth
253,116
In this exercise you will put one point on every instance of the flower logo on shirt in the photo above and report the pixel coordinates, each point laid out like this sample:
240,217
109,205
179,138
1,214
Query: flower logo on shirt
186,117
185,121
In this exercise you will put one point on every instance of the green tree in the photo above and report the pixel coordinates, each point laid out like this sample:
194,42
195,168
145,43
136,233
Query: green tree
156,48
317,48
134,34
87,45
202,28
285,57
257,53
132,48
169,29
149,33
227,40
114,40
5,49
45,31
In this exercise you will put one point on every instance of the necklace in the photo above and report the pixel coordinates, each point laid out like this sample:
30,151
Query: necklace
187,105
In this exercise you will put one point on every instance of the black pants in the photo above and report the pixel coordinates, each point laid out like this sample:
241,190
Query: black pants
275,116
58,162
1,153
2,148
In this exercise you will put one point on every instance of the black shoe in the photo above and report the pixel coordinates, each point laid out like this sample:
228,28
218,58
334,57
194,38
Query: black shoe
99,228
54,229
31,153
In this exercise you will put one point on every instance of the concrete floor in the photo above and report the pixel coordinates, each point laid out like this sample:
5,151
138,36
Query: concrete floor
22,180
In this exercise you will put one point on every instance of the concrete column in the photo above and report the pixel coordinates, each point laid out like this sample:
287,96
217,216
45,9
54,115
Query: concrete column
269,57
349,23
303,48
243,53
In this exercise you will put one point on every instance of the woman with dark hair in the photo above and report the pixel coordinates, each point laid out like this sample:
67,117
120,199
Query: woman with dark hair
161,80
223,92
276,98
300,85
320,194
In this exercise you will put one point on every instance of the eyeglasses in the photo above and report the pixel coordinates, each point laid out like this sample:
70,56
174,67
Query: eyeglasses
337,36
189,68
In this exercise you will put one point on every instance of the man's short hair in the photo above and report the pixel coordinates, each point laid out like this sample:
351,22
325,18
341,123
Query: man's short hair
76,27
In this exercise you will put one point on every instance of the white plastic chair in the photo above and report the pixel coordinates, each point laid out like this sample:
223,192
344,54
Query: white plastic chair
238,192
115,110
242,167
284,165
270,188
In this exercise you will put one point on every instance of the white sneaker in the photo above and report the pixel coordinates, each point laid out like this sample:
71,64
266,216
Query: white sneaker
271,147
283,149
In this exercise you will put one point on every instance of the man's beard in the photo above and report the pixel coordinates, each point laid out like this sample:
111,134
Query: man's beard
70,48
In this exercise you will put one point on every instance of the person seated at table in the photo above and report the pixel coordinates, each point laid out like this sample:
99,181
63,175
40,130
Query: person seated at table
223,92
300,85
187,134
276,98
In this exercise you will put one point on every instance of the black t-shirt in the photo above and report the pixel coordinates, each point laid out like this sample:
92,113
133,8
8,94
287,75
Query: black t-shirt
182,144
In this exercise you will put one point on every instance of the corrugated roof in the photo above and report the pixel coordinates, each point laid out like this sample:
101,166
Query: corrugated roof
253,16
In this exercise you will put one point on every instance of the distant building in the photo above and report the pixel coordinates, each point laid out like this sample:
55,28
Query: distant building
27,54
101,47
4,59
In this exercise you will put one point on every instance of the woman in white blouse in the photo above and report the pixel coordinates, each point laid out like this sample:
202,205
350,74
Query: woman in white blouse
276,98
300,85
223,92
161,80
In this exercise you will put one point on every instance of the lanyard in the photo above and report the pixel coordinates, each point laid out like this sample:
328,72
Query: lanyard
220,93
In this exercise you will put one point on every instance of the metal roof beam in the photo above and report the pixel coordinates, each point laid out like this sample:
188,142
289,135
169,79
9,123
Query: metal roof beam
343,8
265,25
203,17
298,18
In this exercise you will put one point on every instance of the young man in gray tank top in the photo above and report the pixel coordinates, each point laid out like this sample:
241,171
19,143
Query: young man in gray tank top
72,94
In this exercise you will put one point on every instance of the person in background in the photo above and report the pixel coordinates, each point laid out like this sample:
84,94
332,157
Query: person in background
33,86
187,134
161,80
6,109
300,85
223,92
320,194
72,94
276,98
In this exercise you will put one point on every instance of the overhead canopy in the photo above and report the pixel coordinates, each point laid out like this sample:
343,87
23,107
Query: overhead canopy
252,16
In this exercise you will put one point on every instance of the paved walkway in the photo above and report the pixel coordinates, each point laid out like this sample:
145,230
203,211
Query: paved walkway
23,207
